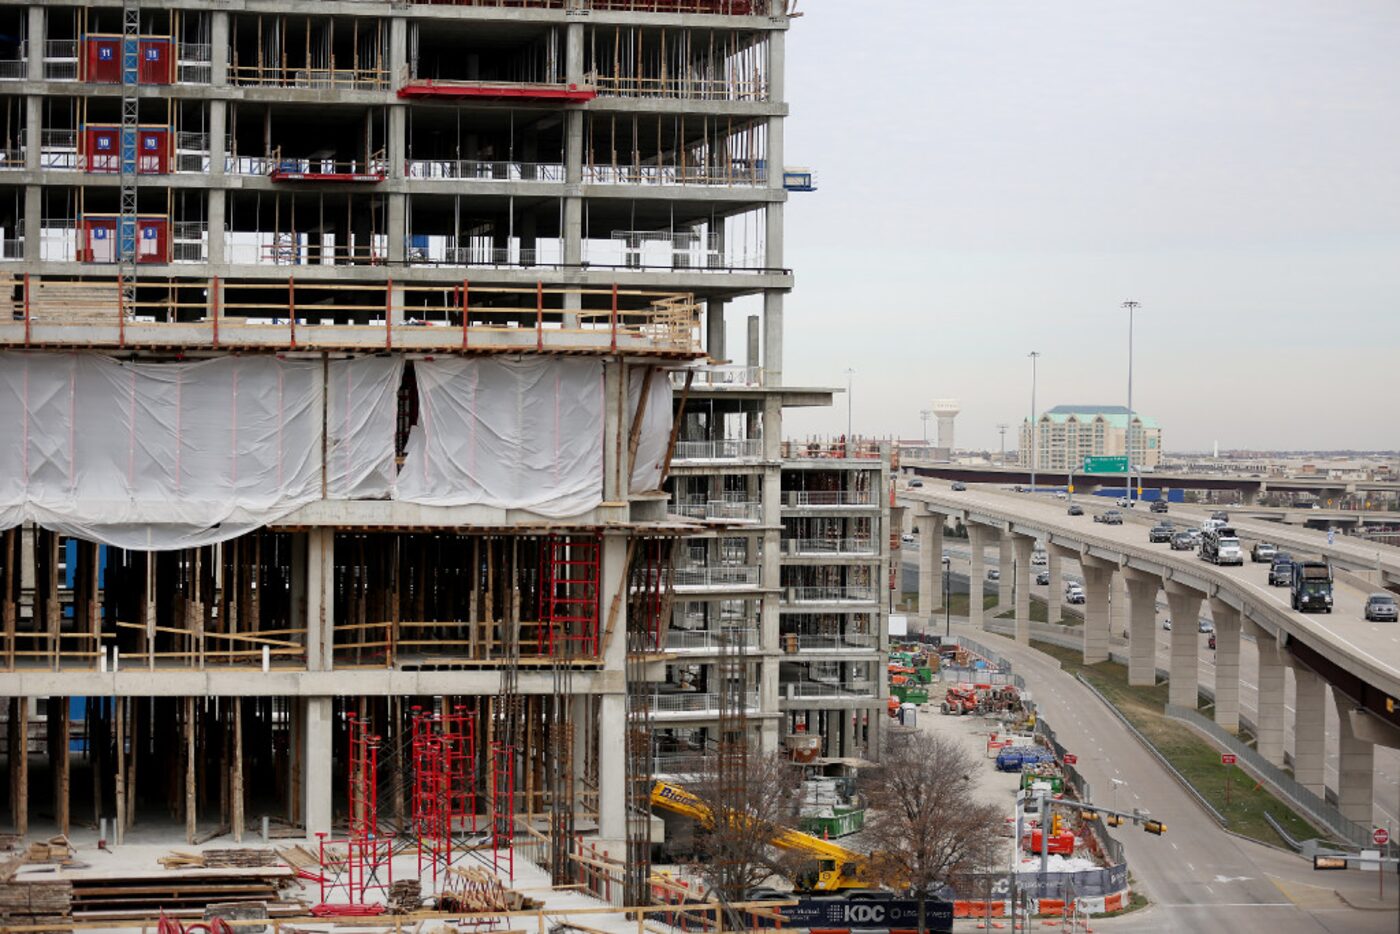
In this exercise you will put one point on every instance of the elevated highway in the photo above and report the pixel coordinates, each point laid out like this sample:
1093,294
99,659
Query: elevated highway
1360,660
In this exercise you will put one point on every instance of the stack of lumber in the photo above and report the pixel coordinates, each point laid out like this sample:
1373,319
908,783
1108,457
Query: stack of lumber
9,307
40,902
53,850
300,858
251,858
405,896
471,889
105,895
74,302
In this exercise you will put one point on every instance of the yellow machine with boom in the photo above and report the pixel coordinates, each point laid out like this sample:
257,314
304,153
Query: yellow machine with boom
838,869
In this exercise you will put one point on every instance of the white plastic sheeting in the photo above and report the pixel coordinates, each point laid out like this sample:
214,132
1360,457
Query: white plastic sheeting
515,434
163,456
655,435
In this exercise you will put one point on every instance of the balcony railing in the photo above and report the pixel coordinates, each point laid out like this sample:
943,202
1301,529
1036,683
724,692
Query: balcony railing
855,593
58,149
14,69
61,60
724,375
479,170
831,642
681,640
858,449
11,248
828,498
725,450
829,546
194,65
11,159
693,703
734,174
739,576
721,510
820,689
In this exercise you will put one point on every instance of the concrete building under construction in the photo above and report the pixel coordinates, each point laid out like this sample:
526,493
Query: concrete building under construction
369,416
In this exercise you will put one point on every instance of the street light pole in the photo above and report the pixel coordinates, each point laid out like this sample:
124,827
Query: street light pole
1131,306
850,386
1035,453
926,414
1002,429
947,586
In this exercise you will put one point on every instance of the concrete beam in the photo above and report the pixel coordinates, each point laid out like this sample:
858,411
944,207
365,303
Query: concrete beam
1184,669
1142,626
1022,546
1309,730
1227,664
1098,574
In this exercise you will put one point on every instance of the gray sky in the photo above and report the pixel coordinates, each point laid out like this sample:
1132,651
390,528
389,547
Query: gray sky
997,177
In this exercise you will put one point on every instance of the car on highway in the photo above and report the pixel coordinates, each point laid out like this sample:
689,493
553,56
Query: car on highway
1220,514
1159,505
1075,596
907,539
1281,571
915,484
1159,534
1124,502
1263,552
1110,517
1039,559
959,486
1074,510
1042,577
1204,625
1381,608
1195,536
1211,642
993,574
1182,541
1167,624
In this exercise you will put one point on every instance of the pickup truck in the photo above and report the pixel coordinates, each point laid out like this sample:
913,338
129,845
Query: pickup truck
1281,572
1160,534
1111,517
1263,552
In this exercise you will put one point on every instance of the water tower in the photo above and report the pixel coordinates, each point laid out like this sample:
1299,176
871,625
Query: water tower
945,410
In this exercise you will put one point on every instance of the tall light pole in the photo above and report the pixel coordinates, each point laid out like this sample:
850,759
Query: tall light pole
850,385
1002,428
1035,356
926,414
1131,306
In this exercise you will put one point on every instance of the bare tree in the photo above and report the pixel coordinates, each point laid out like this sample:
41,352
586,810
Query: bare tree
926,816
752,801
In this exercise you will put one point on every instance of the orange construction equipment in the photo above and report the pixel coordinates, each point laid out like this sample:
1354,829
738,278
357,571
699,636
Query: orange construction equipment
962,699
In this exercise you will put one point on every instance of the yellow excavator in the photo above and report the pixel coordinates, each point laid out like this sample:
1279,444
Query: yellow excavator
838,869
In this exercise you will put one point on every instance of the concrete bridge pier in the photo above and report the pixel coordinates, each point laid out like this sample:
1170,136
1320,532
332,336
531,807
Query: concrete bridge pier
1098,574
1022,546
1004,578
1227,664
1356,765
1184,671
979,537
1055,598
1118,603
930,564
1310,729
1269,719
1142,626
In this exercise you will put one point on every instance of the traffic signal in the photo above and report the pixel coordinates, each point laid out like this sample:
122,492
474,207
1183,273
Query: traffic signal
1088,815
1113,820
1056,823
1155,826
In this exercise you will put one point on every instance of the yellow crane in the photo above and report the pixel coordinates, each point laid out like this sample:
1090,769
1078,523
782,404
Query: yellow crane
838,869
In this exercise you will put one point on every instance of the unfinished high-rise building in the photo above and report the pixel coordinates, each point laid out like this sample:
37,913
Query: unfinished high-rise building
340,358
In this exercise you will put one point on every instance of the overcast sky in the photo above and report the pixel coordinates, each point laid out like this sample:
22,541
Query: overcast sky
997,177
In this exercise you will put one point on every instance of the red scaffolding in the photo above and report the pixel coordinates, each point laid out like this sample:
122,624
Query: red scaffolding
569,598
444,786
363,862
503,808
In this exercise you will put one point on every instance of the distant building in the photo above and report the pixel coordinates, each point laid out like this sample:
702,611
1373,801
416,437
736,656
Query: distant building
1067,434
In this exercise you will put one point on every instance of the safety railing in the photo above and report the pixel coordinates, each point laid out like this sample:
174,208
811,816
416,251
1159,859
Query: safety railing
731,449
827,448
735,174
11,248
831,642
311,168
696,703
830,546
738,576
14,69
715,7
61,60
704,639
302,249
194,64
680,87
11,158
189,242
854,593
58,149
478,252
191,152
726,510
267,314
483,170
720,375
820,689
311,79
828,498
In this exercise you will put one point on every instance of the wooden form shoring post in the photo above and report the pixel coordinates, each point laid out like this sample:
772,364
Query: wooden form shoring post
634,436
133,722
59,708
676,426
9,541
236,776
466,309
190,803
214,309
120,713
18,750
52,610
539,316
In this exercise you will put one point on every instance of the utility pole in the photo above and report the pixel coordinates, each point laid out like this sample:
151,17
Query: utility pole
1035,452
1002,428
926,414
1128,436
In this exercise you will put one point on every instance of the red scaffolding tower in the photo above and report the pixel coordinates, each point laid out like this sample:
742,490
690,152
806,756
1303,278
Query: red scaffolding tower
444,786
569,598
363,862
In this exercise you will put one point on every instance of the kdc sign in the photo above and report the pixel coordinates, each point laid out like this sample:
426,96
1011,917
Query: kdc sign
877,914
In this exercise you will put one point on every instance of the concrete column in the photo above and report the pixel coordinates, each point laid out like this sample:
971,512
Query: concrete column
1004,565
1355,768
33,222
772,338
1022,546
1097,575
1269,717
1055,596
218,48
978,537
1227,664
1184,670
714,329
1118,604
1142,627
320,599
930,564
612,713
573,158
316,758
37,38
33,131
218,200
1309,730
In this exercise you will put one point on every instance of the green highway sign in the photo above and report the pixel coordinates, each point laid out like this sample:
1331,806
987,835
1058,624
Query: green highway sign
1105,465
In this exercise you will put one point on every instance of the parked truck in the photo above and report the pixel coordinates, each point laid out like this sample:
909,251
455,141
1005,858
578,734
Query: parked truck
1312,586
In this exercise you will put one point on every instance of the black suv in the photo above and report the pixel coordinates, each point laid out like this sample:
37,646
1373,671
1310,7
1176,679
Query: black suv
1159,505
959,486
1281,571
1160,534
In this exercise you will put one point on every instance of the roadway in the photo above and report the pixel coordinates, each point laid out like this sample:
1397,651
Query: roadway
1198,877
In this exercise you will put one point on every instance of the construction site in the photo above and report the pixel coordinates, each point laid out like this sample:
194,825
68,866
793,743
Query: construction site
381,502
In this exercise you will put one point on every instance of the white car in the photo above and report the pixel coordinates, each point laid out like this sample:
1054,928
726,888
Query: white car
907,538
